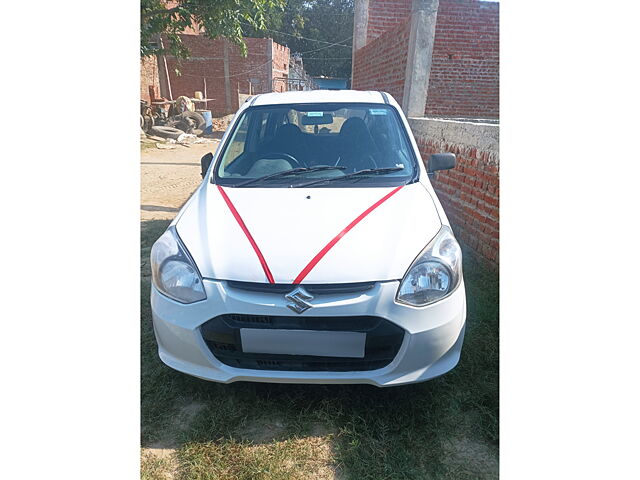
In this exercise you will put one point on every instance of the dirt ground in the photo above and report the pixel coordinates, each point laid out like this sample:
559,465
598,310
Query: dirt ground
168,178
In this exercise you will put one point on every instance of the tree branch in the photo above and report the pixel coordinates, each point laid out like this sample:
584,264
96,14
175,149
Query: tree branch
158,12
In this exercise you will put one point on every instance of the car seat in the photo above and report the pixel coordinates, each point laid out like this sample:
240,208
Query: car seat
289,139
358,148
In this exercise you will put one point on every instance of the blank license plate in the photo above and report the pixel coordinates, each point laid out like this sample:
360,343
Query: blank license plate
303,342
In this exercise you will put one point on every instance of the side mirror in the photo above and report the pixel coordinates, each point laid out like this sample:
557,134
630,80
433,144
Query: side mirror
442,161
205,162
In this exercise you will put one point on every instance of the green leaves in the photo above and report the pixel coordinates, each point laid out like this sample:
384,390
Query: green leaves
214,18
321,30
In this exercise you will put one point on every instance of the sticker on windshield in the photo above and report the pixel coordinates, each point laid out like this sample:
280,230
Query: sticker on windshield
378,111
315,114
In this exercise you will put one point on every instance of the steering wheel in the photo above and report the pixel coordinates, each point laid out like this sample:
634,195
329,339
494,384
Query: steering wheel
274,155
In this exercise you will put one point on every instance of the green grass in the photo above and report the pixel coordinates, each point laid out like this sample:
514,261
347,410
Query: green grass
144,146
446,428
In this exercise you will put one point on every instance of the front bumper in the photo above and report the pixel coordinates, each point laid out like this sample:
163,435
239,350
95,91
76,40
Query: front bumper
431,345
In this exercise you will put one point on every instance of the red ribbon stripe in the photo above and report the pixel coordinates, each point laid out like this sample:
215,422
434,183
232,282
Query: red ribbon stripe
244,228
305,271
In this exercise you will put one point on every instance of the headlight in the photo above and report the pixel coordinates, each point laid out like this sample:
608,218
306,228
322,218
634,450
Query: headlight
173,272
435,273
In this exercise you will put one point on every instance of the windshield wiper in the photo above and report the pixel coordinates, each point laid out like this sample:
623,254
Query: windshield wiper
285,173
370,171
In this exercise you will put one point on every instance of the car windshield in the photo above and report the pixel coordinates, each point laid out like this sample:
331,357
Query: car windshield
319,145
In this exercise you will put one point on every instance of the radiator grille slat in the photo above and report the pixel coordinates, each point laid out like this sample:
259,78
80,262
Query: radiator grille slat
313,289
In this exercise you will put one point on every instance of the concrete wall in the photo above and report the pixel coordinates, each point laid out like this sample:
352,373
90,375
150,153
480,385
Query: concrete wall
470,192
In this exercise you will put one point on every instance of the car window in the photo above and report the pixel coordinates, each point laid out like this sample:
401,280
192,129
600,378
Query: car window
310,138
236,144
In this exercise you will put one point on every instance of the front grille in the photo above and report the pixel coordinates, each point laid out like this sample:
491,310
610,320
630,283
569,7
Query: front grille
313,289
222,336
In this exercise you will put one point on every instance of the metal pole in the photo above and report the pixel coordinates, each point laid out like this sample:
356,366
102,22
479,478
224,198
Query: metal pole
166,70
204,80
227,80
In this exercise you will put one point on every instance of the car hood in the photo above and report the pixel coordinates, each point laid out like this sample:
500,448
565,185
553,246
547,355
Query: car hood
290,226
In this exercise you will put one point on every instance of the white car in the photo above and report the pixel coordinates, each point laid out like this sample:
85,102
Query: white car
314,251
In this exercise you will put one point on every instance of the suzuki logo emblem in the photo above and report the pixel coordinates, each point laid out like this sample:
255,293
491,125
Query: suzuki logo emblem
298,299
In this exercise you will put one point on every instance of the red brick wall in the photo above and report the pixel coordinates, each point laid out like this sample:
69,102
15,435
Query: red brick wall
380,65
464,80
207,61
385,15
280,67
148,76
469,193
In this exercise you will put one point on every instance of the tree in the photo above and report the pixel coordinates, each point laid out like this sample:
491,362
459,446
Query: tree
215,18
321,30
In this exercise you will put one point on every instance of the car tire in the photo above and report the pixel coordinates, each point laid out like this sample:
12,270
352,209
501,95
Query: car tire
185,125
147,123
172,122
166,132
197,118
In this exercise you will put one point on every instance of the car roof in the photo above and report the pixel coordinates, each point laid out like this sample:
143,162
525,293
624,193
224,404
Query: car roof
318,96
